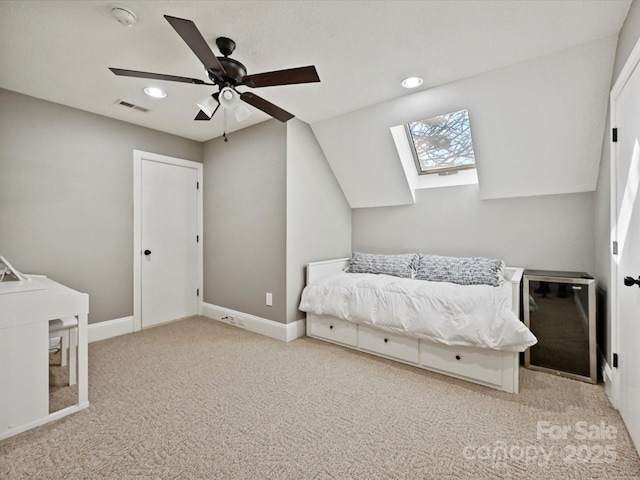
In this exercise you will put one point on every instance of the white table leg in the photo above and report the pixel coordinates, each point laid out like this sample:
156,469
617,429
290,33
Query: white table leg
73,355
83,361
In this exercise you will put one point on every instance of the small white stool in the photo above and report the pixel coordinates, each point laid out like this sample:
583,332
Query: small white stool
67,330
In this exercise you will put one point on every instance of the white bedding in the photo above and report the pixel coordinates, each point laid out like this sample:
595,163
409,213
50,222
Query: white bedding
468,315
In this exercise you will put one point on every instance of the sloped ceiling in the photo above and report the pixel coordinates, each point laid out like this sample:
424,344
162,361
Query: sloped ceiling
537,129
61,50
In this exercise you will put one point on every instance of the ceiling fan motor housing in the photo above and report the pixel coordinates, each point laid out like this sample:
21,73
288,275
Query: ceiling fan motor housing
234,71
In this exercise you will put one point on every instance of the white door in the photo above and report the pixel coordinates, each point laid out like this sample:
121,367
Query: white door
168,247
626,108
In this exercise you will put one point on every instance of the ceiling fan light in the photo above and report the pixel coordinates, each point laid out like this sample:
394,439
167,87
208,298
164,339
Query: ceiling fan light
208,105
411,82
241,112
229,98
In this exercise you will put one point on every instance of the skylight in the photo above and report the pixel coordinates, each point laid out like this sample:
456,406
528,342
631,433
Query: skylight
442,144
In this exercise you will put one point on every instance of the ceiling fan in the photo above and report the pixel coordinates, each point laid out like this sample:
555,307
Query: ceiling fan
228,74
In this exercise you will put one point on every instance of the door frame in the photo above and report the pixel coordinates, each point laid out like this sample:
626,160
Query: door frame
138,157
623,78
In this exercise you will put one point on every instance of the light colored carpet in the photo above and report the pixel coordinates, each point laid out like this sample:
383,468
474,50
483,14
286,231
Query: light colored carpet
197,399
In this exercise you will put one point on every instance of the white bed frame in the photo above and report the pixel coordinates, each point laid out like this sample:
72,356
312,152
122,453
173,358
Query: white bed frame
492,368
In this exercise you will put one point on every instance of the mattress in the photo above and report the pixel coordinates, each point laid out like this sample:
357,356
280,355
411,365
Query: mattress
447,313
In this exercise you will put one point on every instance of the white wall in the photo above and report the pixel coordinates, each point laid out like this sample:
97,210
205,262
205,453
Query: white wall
551,232
318,215
245,220
66,196
537,129
271,205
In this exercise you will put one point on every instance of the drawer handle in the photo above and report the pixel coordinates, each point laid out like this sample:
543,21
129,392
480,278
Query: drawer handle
458,357
386,340
330,327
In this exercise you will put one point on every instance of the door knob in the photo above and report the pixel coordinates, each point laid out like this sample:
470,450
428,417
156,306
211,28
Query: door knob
147,252
630,281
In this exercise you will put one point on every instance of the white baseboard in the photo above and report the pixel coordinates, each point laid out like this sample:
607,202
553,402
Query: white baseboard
279,331
110,328
269,328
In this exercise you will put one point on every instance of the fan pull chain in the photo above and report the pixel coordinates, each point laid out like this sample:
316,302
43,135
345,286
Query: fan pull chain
224,133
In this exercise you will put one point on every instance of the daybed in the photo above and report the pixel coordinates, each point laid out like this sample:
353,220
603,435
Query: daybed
470,332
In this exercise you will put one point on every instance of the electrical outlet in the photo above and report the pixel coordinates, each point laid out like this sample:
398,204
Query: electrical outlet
269,299
232,320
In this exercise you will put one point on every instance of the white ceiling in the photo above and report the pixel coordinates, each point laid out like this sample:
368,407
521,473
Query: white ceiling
61,50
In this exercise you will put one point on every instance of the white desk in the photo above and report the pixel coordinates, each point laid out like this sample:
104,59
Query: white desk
25,310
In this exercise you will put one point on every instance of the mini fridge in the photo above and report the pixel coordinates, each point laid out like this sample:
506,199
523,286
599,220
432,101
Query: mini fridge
560,309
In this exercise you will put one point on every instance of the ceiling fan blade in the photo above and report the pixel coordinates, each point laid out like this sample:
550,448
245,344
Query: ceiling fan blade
196,42
156,76
282,77
203,116
267,107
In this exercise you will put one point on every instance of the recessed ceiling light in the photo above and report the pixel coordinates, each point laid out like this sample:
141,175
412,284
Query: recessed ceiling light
155,92
411,82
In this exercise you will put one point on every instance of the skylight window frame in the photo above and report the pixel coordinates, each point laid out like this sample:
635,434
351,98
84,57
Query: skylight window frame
437,170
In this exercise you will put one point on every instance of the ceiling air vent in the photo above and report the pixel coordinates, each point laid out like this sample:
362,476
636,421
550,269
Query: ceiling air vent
132,106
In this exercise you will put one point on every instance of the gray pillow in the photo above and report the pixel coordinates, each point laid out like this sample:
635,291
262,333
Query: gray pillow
397,265
461,270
